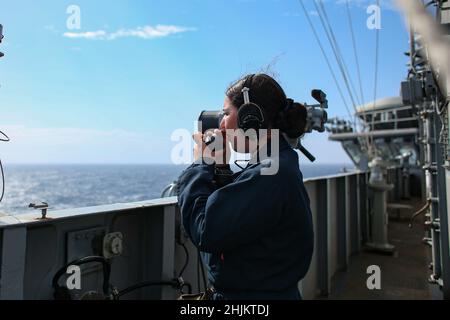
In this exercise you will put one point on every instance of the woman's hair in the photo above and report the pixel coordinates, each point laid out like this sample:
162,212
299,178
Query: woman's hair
279,112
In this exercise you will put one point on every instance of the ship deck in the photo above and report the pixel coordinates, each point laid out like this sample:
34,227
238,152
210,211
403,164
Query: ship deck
402,273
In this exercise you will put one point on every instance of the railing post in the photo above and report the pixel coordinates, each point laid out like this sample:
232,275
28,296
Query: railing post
322,237
168,252
13,256
341,198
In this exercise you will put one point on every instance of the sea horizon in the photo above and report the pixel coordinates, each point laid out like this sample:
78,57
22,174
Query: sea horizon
137,163
65,186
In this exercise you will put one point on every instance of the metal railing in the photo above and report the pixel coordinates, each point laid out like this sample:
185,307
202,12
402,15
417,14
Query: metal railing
33,249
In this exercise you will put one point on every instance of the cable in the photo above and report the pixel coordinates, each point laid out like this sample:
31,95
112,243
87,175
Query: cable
328,31
1,166
339,58
338,54
205,284
201,268
6,136
430,3
377,45
419,212
198,271
62,292
186,262
3,181
345,72
355,52
237,165
174,283
336,50
189,286
326,58
183,269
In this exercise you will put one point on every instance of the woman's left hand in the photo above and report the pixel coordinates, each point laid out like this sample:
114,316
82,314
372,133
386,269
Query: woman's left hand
199,146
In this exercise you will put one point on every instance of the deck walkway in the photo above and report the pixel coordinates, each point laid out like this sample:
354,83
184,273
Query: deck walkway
403,274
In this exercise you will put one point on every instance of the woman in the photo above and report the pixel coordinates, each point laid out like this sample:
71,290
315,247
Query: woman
255,232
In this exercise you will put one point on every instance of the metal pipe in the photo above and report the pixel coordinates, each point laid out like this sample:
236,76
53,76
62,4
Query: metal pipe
375,134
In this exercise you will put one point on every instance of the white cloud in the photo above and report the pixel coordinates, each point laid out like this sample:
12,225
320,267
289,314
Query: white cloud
149,32
145,32
93,35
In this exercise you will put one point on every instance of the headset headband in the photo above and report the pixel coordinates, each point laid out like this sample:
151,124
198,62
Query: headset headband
246,88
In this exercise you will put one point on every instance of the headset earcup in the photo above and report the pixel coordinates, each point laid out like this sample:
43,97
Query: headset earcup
250,117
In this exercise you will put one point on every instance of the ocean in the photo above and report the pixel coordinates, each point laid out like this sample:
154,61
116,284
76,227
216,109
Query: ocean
74,186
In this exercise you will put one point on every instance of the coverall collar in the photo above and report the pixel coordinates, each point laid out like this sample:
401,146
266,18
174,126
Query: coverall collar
265,150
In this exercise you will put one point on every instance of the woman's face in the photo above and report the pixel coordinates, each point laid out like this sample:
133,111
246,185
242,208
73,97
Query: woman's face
230,122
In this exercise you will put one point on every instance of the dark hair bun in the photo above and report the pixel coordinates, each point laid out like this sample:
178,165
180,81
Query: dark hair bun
293,120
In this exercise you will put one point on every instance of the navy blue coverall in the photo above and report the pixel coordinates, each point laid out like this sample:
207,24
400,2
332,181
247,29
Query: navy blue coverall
256,233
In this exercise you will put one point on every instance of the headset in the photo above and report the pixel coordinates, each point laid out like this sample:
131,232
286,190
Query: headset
250,115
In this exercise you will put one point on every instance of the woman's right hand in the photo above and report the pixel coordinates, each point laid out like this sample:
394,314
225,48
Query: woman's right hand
219,150
222,152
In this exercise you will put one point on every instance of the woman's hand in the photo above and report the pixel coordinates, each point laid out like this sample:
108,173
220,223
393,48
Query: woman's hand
199,146
218,152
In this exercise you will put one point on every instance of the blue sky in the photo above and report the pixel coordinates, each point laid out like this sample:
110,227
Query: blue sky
114,90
